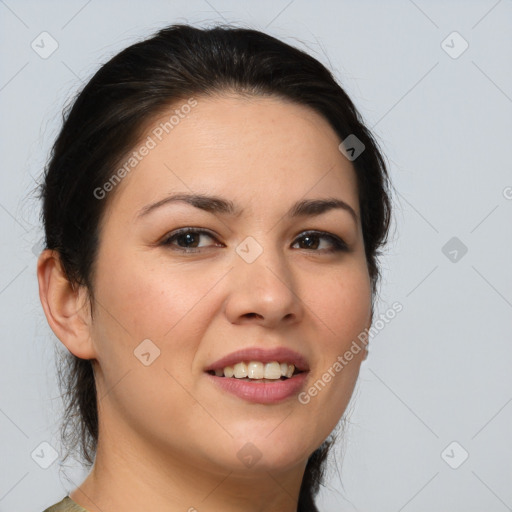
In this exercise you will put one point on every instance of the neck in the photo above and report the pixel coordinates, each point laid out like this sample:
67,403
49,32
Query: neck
131,477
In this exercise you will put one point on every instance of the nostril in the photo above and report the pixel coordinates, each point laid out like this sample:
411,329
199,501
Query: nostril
253,315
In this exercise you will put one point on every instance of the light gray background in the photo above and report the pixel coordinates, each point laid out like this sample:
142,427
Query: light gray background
441,370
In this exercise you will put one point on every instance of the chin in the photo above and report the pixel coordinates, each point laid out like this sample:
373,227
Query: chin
264,450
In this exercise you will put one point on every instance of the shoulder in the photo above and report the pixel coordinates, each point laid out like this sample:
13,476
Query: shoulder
65,505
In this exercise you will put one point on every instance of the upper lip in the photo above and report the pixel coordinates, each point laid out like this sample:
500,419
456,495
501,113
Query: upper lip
279,354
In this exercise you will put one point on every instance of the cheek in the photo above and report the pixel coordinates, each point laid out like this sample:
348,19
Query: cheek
342,311
342,301
152,301
137,303
162,304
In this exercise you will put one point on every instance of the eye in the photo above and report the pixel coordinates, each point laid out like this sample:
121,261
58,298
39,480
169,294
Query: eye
310,238
187,239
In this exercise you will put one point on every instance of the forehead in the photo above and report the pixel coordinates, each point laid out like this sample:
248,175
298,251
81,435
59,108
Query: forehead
262,148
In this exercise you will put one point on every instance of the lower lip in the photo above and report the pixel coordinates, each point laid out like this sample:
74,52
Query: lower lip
261,392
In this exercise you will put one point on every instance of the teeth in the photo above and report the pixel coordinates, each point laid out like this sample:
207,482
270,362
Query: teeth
273,370
257,370
240,370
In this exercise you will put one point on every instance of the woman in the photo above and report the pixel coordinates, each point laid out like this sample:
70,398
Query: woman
214,209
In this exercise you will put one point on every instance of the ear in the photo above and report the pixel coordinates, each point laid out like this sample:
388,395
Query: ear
65,306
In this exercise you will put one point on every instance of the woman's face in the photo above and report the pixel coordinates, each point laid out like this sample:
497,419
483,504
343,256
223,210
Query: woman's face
254,280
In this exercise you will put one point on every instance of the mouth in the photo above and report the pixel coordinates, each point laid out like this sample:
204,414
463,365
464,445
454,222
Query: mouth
265,376
260,390
220,373
258,363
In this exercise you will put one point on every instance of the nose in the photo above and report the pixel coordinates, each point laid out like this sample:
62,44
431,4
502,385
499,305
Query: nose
263,292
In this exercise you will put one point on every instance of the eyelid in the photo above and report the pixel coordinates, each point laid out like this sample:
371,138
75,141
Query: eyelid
338,243
183,231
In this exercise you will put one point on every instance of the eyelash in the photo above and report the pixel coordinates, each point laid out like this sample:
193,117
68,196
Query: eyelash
338,244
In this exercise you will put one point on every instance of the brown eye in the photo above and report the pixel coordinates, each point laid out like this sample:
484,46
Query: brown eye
186,239
310,241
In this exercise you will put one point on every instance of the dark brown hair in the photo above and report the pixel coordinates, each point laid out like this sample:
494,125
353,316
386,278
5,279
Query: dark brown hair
105,121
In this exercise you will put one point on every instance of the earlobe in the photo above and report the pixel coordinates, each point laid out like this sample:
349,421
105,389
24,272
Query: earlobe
65,306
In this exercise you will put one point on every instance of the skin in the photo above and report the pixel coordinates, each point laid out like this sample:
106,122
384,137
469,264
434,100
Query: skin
168,437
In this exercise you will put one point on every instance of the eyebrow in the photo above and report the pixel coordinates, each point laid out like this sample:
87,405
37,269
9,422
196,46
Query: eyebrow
219,205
